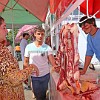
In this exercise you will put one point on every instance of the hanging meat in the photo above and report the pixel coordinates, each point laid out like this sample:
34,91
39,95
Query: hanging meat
68,56
67,59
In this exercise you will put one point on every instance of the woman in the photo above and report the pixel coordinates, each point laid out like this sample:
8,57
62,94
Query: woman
11,77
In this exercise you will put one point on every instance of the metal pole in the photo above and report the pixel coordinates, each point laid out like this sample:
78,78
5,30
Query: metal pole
72,8
13,33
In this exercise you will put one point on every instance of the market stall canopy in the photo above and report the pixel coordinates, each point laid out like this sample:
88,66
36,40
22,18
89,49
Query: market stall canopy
39,8
60,5
30,11
92,7
64,10
15,14
54,5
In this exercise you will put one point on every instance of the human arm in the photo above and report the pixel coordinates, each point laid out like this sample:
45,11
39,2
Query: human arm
14,76
26,64
53,63
86,64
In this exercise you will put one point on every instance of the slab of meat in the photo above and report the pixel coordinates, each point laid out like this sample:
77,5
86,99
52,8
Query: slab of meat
67,55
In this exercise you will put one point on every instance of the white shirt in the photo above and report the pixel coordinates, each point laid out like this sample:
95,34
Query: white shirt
39,57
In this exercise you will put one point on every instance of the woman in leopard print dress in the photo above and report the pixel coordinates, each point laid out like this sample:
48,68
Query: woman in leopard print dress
11,77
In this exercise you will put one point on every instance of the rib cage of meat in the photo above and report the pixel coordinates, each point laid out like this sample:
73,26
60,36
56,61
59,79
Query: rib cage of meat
67,55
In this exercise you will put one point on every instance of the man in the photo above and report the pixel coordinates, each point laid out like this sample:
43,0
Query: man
23,44
38,53
11,78
88,25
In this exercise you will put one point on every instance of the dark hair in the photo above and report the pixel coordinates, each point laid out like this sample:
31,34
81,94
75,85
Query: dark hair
24,34
38,28
85,19
1,19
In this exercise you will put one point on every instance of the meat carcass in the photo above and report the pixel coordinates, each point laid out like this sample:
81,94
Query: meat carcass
68,56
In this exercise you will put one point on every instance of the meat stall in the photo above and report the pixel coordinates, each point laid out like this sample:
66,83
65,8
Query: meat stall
68,84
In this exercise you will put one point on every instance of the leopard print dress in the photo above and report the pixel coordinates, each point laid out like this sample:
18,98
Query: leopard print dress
11,77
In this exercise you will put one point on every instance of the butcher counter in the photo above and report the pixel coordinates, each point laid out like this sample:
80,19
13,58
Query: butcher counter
58,95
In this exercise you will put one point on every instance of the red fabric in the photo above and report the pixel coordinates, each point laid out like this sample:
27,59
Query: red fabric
93,7
38,8
97,7
65,4
3,3
54,5
62,7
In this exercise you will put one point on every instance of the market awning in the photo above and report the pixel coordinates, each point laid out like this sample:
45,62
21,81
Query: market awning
54,5
15,14
64,10
90,7
38,8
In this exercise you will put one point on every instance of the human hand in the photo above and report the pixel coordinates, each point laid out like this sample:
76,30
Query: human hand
82,72
35,69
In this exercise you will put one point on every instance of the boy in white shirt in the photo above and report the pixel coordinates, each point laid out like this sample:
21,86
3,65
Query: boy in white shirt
39,54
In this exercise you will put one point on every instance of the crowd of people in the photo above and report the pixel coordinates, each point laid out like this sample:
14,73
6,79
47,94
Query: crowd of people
36,65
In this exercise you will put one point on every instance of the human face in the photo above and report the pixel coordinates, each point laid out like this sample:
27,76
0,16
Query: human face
27,37
87,28
3,31
39,36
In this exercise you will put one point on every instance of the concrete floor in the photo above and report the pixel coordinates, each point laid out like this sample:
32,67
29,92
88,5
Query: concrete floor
28,95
